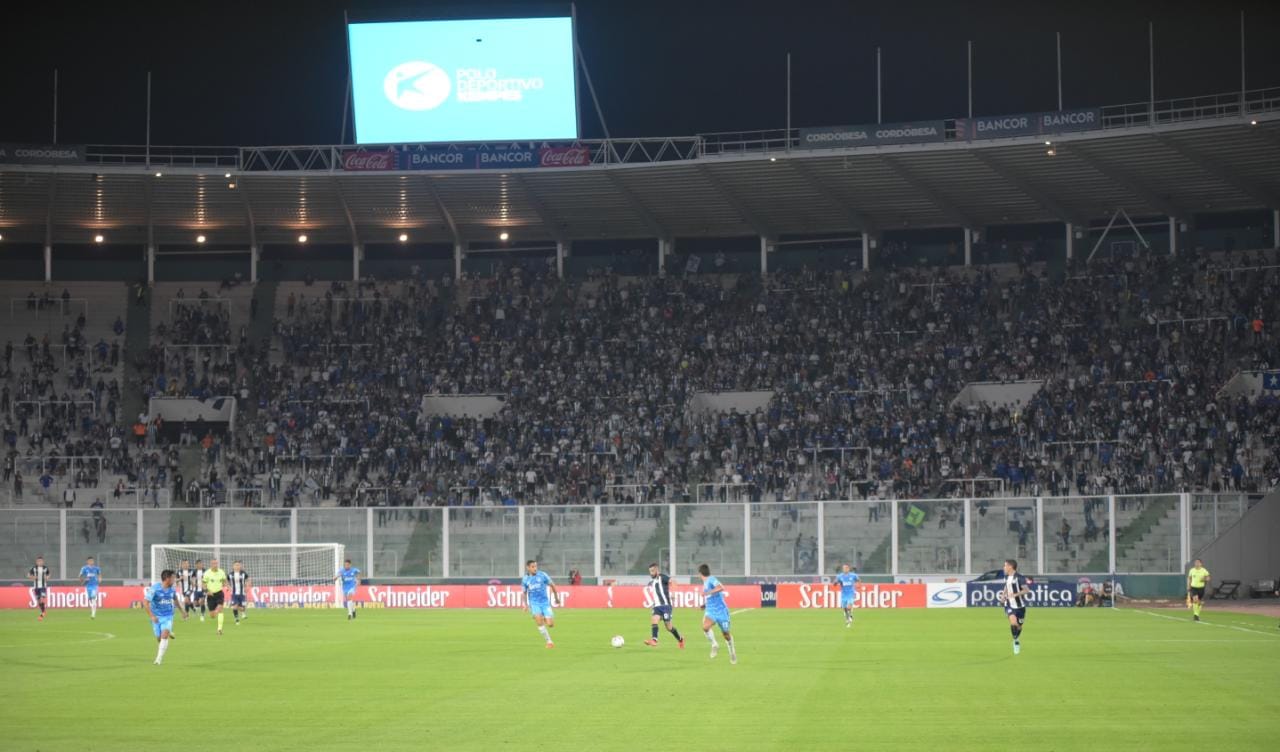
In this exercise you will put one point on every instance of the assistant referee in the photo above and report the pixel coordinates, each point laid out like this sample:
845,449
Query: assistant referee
1197,579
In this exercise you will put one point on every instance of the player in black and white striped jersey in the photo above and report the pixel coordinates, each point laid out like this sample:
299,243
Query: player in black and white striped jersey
1015,596
186,581
659,592
240,584
39,576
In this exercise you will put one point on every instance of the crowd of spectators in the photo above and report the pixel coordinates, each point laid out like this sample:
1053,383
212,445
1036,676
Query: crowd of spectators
597,377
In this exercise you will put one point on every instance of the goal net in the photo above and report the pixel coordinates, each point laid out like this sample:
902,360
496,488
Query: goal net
268,564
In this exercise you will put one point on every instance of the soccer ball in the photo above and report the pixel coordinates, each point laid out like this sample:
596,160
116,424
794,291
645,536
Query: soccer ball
617,641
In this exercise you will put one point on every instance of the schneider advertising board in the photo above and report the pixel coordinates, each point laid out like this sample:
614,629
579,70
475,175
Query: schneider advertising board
845,136
816,596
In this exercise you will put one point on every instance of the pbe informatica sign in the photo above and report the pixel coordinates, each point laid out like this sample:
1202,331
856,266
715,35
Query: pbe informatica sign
449,81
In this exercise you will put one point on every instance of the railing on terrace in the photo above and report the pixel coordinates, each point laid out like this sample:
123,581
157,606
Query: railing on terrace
618,151
963,537
1161,112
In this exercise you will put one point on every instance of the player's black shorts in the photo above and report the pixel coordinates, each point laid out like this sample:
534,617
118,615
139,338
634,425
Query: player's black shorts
1198,592
39,592
663,611
213,601
199,596
1021,613
238,600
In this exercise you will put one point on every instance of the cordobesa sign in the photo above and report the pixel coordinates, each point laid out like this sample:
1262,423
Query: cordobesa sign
846,136
41,154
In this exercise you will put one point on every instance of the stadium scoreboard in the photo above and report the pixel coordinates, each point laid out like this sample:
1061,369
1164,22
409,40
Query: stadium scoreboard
510,79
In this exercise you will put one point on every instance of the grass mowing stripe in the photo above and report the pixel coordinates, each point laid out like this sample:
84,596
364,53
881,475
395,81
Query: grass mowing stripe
400,679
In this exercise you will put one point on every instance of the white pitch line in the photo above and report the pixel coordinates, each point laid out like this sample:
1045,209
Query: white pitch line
104,636
741,611
1209,623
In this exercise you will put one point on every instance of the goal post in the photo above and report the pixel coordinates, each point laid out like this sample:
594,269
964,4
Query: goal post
268,564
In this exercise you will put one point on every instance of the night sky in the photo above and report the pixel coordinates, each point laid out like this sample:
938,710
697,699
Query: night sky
252,73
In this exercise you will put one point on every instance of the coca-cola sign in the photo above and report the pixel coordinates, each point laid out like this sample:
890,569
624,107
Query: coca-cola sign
564,156
364,160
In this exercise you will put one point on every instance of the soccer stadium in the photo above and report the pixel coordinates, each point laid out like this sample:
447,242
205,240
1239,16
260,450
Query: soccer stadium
623,376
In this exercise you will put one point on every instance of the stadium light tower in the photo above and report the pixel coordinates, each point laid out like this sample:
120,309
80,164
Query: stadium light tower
200,239
404,237
504,237
98,238
302,238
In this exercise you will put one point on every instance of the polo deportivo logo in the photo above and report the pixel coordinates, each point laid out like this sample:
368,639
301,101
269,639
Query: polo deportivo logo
417,86
950,595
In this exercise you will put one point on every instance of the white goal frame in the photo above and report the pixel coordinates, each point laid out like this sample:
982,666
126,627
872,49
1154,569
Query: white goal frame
214,551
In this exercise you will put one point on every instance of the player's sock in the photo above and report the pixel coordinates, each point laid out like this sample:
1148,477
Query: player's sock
164,645
93,608
732,653
710,637
351,608
1196,608
545,634
220,615
676,634
42,608
235,613
653,631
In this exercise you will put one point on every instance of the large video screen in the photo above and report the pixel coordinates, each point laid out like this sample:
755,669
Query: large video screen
477,80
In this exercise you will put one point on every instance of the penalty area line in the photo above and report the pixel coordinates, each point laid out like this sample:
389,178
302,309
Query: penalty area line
102,637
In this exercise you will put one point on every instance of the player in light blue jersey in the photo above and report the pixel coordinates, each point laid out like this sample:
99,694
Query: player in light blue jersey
349,576
90,575
716,613
537,601
847,579
161,601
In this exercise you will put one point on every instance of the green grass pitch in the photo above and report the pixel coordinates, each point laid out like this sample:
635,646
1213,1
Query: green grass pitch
294,679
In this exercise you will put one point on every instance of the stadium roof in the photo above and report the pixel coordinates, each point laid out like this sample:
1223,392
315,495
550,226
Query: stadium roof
1200,156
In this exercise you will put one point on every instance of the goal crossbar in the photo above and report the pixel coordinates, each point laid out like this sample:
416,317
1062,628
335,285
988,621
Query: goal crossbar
268,564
